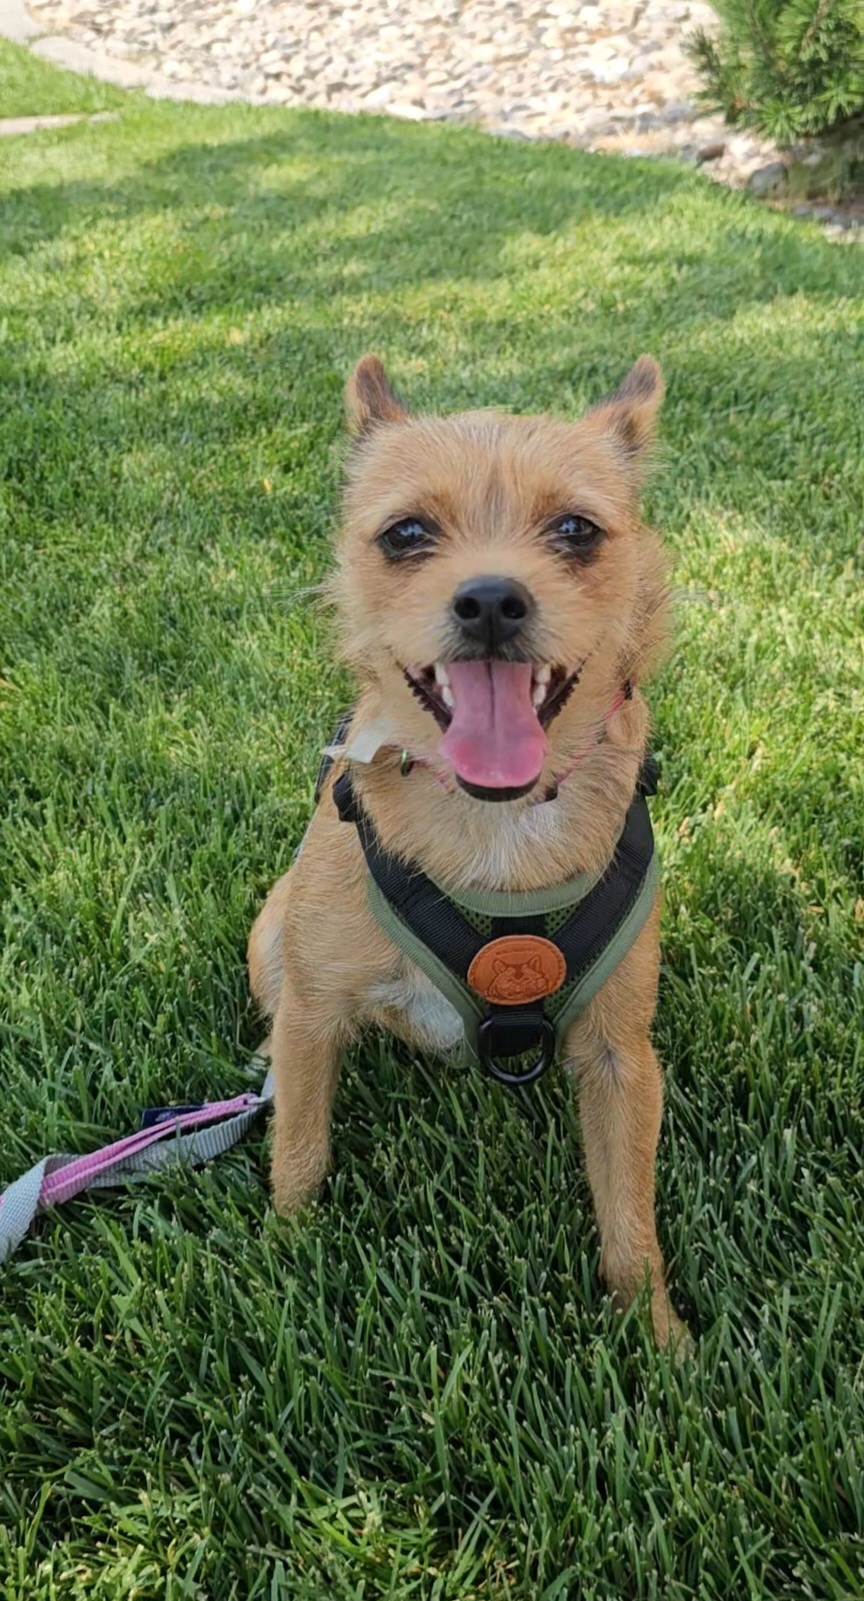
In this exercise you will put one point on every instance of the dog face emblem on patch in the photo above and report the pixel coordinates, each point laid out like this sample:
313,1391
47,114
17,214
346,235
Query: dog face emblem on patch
517,969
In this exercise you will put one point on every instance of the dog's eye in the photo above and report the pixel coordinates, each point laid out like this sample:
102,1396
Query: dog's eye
577,534
406,538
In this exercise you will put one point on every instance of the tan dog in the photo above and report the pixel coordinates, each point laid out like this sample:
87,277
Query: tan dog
493,581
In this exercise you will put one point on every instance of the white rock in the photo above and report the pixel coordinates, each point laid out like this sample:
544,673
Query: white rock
610,71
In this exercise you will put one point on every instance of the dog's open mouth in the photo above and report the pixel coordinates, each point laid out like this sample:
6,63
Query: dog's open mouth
494,715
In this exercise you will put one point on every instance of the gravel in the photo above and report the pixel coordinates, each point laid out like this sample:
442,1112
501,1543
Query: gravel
601,77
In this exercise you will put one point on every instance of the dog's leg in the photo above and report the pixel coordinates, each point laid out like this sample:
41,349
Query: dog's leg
305,1050
264,952
620,1104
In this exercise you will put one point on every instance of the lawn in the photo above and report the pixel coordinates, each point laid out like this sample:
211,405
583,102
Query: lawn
29,87
417,1389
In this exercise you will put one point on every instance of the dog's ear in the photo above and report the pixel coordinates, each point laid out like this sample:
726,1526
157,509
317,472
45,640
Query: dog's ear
369,398
630,412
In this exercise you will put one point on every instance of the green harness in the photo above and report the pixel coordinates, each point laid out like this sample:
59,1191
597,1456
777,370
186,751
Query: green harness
518,968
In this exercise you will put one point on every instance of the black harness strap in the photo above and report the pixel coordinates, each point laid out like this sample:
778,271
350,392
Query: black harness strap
414,897
508,1031
588,931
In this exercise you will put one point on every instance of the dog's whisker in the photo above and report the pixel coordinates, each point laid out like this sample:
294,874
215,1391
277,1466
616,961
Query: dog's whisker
286,599
695,597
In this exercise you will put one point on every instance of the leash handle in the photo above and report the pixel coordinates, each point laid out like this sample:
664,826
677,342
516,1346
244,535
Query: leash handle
198,1136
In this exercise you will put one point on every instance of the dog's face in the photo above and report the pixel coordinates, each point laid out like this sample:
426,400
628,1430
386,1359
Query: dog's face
491,568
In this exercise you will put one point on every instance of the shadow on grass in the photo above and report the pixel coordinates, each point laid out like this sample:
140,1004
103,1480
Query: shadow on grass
447,249
319,166
364,188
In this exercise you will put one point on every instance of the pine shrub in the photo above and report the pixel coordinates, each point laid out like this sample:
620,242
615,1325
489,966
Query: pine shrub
791,69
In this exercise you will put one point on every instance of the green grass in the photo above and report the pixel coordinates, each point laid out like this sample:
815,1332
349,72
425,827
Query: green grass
30,87
418,1388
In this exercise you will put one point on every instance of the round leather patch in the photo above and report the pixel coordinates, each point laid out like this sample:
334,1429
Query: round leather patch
517,969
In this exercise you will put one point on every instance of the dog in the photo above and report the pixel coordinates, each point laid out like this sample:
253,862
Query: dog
500,603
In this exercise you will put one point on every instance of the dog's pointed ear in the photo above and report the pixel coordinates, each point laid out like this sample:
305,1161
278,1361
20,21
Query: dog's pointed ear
630,412
369,398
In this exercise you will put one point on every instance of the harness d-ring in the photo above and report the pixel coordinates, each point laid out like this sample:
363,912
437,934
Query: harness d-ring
531,1074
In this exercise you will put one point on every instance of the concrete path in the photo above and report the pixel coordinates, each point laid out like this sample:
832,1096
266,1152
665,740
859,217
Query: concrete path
14,125
19,25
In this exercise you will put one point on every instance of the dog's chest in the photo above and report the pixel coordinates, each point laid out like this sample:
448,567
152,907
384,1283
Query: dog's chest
427,1015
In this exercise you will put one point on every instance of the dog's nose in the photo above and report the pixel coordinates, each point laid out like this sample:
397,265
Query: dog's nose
492,610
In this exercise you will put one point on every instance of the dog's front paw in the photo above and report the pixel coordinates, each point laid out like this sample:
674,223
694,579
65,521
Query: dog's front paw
295,1176
669,1332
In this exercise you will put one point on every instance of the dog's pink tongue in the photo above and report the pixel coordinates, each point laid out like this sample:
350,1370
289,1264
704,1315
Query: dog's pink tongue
494,739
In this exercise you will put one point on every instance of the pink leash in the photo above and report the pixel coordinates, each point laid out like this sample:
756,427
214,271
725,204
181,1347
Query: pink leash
193,1135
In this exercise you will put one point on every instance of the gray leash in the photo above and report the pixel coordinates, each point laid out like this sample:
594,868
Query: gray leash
190,1136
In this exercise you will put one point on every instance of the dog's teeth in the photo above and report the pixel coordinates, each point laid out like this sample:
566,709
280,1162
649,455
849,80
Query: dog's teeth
443,683
542,675
538,695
